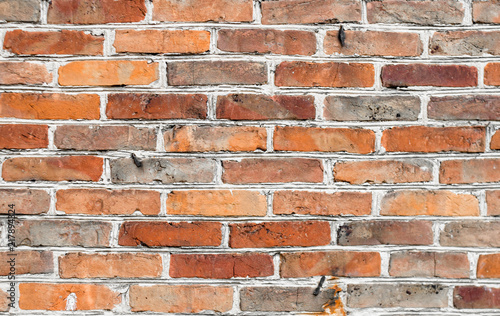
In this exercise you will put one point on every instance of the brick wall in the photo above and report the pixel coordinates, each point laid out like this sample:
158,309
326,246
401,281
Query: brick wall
201,156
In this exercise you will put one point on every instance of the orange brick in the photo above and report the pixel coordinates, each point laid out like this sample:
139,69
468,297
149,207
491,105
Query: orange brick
493,202
429,265
24,73
492,74
469,171
486,11
488,266
23,136
27,201
203,11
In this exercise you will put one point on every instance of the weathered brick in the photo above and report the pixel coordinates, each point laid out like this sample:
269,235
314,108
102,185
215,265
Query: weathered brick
53,297
279,234
27,262
476,297
331,74
312,11
203,11
63,233
168,234
426,202
294,138
397,295
214,138
164,170
217,203
470,234
23,73
492,74
108,202
49,106
221,266
495,140
322,203
428,75
486,11
156,106
23,136
111,265
95,137
263,107
371,108
469,171
272,171
96,11
463,107
181,298
284,299
457,43
265,41
27,201
20,11
429,265
108,73
188,73
426,12
373,43
162,41
5,300
335,263
493,202
383,171
434,139
69,168
488,266
65,42
385,233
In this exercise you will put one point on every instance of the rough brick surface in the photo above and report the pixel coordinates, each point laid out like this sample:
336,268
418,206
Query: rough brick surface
23,136
429,75
385,232
27,201
23,73
457,43
203,11
486,11
492,74
20,11
28,262
475,107
469,171
480,297
429,264
470,234
488,266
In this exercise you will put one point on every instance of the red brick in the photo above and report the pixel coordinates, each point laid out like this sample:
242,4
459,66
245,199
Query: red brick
168,234
492,74
272,171
493,202
432,203
189,73
434,139
322,203
27,262
385,233
27,201
312,11
5,300
20,11
335,263
383,171
457,43
221,266
156,106
463,107
486,11
263,107
488,266
53,297
308,74
217,203
470,234
23,136
108,202
95,137
495,141
162,41
65,42
429,75
476,297
214,138
50,106
203,11
426,12
292,138
23,73
469,171
373,43
429,265
96,11
181,298
279,234
111,265
108,73
265,41
69,168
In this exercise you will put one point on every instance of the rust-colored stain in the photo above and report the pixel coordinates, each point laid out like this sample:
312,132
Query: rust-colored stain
334,306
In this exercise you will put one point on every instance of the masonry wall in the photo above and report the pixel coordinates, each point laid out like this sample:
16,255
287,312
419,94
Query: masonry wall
221,156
